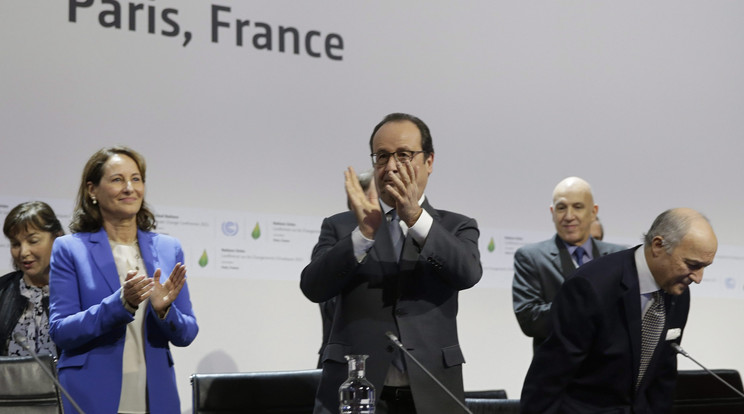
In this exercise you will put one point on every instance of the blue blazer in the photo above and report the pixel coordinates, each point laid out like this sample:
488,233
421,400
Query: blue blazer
88,322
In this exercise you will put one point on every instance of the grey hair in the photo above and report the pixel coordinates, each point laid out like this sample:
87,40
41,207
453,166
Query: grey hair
671,227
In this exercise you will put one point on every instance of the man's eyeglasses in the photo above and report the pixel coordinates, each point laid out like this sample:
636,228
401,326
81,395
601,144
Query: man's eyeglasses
381,158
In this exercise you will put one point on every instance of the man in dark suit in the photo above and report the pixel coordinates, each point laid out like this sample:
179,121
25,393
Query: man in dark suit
613,322
540,268
412,293
327,308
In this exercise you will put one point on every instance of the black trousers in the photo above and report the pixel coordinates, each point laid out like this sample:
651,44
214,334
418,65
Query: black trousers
396,400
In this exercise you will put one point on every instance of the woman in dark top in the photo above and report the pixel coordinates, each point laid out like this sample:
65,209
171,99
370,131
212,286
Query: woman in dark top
31,228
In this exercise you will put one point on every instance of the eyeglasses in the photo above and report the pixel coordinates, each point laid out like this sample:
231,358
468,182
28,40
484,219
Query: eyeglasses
381,158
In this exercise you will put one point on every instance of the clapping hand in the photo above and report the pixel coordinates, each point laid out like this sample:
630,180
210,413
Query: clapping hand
365,206
164,294
404,189
136,289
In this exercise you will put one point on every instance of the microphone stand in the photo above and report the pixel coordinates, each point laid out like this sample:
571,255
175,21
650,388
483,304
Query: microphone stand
397,343
679,349
20,339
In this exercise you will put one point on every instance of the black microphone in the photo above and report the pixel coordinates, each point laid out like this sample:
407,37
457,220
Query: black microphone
679,349
397,343
21,340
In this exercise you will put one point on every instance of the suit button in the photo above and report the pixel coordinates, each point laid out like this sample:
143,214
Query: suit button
401,312
390,348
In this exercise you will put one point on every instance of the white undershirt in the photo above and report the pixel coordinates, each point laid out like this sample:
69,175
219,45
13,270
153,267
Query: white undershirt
134,368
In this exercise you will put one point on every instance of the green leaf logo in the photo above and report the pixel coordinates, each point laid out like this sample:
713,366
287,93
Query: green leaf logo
203,260
256,232
491,245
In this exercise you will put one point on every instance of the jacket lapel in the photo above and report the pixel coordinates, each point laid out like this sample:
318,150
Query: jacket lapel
149,254
561,258
100,250
382,251
595,250
429,209
631,294
393,268
411,251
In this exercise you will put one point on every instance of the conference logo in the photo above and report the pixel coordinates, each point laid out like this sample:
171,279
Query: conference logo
204,260
730,283
229,228
491,246
256,233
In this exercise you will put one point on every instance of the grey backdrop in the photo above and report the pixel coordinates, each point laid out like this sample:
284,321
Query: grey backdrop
644,100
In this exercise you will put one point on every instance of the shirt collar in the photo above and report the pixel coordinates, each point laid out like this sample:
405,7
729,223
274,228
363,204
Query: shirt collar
646,280
588,250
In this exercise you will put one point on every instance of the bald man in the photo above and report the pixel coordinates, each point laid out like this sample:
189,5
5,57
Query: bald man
614,322
541,268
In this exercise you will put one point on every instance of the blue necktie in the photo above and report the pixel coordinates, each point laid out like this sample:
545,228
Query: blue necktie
579,255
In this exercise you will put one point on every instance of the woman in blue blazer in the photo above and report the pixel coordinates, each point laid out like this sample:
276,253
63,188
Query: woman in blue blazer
113,313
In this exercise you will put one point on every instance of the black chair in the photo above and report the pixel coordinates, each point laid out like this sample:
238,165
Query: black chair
492,405
699,392
293,392
26,389
488,394
490,402
275,392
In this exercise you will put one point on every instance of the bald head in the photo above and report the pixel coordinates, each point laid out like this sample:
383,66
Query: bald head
672,226
679,245
572,185
573,210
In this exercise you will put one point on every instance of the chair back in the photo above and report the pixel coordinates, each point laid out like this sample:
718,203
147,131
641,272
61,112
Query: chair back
275,392
492,405
488,394
25,388
699,392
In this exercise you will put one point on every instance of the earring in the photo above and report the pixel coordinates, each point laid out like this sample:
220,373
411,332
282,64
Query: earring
94,201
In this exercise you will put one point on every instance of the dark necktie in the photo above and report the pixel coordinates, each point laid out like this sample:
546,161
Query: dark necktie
651,327
579,255
396,233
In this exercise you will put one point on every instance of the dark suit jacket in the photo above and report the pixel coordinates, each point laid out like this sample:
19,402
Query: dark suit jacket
539,271
590,362
327,310
415,299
